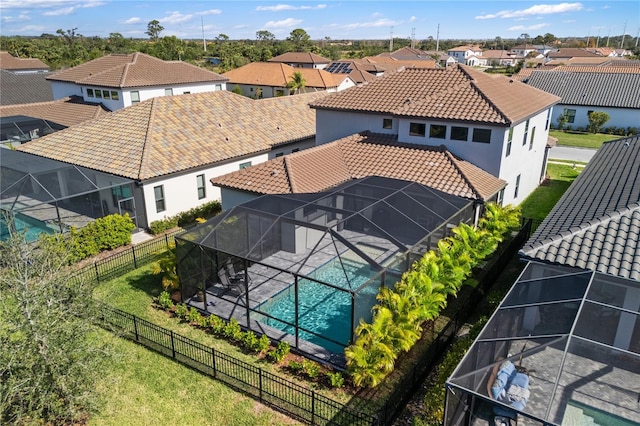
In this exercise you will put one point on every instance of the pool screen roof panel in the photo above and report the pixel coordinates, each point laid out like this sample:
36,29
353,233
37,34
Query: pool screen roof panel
577,331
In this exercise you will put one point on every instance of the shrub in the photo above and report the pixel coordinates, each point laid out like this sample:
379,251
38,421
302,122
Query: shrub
311,369
250,341
217,325
263,344
194,316
335,379
295,367
279,352
181,311
232,330
632,131
164,300
620,131
186,218
597,120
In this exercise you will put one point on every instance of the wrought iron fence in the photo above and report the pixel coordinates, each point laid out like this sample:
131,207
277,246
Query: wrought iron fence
280,393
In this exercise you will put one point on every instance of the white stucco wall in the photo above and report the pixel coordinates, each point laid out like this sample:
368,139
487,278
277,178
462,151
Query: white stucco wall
232,197
332,125
620,117
63,89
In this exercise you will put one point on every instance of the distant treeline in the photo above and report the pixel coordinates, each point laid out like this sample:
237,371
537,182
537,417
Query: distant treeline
68,48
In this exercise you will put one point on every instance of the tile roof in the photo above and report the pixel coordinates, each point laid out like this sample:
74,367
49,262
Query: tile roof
408,54
596,223
275,74
606,89
11,63
24,88
67,112
135,70
300,58
571,52
466,47
455,93
170,134
361,155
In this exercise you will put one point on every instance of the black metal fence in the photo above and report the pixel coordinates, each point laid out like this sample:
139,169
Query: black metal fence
126,261
282,394
405,390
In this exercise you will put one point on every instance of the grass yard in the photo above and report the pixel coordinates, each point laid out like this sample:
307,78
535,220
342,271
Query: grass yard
582,140
541,201
146,388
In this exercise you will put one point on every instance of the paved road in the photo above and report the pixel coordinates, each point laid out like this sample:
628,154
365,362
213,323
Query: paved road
569,153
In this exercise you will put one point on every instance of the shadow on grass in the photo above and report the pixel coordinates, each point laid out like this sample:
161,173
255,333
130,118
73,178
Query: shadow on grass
541,201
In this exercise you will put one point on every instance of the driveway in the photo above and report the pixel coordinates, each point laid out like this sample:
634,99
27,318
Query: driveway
572,154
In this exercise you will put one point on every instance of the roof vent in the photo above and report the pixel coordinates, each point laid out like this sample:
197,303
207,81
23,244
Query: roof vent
274,173
219,124
407,101
278,128
226,138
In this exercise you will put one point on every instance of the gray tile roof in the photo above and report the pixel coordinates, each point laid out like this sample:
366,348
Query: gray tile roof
619,90
596,224
24,88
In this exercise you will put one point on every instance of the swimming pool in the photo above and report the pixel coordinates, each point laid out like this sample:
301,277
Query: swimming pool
31,227
322,309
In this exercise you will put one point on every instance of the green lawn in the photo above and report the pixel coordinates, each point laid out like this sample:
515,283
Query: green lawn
582,140
541,201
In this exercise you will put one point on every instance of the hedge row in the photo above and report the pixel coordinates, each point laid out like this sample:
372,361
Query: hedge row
187,218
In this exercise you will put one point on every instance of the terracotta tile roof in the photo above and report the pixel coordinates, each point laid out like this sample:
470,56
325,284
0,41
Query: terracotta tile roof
596,223
300,58
135,70
11,63
275,74
571,52
67,111
24,88
361,155
455,93
170,134
466,47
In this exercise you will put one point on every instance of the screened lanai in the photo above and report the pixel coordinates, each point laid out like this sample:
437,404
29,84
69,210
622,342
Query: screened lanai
42,195
563,348
307,267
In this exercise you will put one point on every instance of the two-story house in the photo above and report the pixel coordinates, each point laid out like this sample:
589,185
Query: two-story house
302,60
118,81
496,123
16,65
461,53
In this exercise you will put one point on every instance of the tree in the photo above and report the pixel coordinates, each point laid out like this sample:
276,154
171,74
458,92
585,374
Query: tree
50,359
154,29
264,35
297,82
597,120
299,38
69,36
562,119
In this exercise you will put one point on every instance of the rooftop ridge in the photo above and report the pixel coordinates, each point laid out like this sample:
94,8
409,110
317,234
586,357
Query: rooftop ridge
474,84
292,184
104,71
125,72
454,161
147,137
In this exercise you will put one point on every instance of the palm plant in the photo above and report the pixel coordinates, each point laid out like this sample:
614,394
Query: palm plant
297,82
166,266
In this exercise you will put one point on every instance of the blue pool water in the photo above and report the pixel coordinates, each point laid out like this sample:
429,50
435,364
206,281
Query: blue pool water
322,309
30,226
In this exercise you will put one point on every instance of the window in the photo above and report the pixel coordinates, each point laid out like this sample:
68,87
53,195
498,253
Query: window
481,135
201,187
533,135
114,95
120,192
515,194
186,93
90,93
526,133
387,123
279,154
99,94
168,92
500,198
509,141
245,165
417,129
459,133
546,127
571,115
135,97
279,92
437,131
218,87
158,192
106,94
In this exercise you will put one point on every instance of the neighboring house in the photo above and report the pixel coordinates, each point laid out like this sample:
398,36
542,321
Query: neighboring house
490,58
359,72
118,81
613,90
267,80
358,156
24,122
494,122
461,53
566,53
21,65
171,146
572,318
24,88
302,60
523,50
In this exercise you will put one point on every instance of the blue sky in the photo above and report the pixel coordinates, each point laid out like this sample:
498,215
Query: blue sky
345,19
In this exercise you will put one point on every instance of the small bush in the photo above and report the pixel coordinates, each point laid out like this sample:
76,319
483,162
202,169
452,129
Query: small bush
194,316
335,379
164,300
279,352
181,311
632,131
217,325
232,330
295,367
250,341
311,369
186,218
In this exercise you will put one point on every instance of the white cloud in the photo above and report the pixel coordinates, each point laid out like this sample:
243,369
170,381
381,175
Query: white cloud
285,23
288,7
569,21
375,24
133,20
20,18
413,19
30,29
539,9
210,12
71,6
60,12
377,15
175,18
527,28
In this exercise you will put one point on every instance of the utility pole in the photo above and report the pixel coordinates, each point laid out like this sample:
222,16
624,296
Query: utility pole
204,41
608,34
438,39
391,40
413,37
623,33
637,35
598,39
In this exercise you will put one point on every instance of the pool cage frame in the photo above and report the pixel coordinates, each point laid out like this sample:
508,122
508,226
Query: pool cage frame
577,334
365,232
53,196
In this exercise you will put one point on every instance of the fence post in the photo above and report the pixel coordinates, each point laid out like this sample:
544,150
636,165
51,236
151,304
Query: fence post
173,345
135,327
313,406
260,382
166,240
95,265
135,262
213,358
